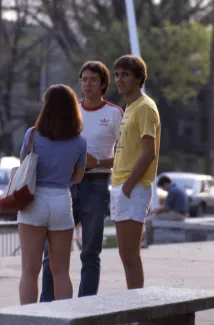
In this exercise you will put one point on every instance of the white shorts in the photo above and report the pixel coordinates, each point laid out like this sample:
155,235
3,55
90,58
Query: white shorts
51,208
134,208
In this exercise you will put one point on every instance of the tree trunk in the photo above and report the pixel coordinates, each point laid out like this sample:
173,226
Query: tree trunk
210,146
0,56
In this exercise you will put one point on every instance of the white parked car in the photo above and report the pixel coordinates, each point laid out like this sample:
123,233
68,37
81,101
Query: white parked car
4,179
198,187
9,162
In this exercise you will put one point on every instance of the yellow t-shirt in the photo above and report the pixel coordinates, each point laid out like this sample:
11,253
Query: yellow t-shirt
141,118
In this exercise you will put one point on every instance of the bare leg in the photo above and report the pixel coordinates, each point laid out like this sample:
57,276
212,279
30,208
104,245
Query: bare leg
59,254
129,236
32,242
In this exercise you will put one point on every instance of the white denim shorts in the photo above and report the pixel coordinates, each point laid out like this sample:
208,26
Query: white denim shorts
51,208
134,208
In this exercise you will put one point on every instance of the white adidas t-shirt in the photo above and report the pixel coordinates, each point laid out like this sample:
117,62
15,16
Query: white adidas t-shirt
101,128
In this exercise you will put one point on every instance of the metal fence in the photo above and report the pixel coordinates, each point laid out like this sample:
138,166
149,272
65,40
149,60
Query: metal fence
9,239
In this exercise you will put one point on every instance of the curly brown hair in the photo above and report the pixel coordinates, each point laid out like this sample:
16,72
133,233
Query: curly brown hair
60,117
134,63
99,68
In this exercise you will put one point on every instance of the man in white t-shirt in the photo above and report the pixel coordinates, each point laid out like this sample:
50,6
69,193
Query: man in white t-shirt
90,198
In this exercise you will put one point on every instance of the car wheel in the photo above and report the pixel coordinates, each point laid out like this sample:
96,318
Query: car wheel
200,210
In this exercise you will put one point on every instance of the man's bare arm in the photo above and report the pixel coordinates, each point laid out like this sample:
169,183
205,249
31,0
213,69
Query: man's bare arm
142,164
78,175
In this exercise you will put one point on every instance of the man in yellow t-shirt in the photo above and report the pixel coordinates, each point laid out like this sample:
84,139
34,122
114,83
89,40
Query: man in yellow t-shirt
135,165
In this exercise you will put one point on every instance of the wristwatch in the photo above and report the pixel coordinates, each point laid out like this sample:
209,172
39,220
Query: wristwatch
98,164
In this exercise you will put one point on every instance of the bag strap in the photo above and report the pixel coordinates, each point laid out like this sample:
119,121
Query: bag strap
30,141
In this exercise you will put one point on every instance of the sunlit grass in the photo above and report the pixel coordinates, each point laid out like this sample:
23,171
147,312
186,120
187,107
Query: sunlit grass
110,242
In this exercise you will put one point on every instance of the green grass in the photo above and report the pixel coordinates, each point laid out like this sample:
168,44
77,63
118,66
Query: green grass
109,223
110,242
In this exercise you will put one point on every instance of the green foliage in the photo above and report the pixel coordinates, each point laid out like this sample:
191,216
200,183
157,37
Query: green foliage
107,44
175,49
177,57
178,60
110,242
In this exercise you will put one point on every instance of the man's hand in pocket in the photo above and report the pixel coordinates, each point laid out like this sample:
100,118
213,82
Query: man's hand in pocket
127,189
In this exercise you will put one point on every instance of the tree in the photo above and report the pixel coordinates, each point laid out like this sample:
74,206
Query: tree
106,24
210,106
175,49
178,12
178,60
66,21
16,50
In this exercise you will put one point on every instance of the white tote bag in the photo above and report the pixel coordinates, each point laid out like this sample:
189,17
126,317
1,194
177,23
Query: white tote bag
22,185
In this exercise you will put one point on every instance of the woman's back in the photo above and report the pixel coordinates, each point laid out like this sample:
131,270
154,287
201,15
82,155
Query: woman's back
62,155
57,158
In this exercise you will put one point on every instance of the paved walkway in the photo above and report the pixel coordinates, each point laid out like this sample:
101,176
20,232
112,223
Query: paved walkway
179,265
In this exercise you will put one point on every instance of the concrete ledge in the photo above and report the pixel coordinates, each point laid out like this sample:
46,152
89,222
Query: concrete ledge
190,230
192,224
149,304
